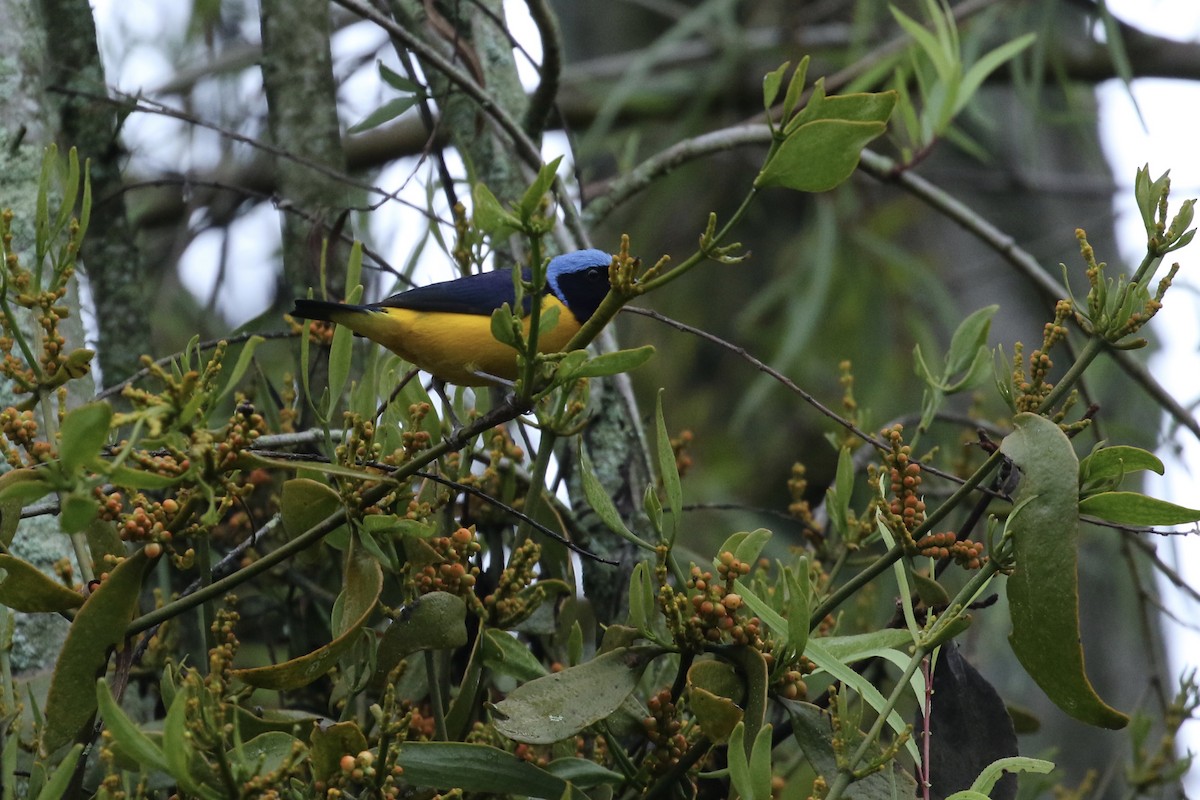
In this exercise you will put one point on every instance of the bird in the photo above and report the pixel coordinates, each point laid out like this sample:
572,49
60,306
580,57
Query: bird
446,329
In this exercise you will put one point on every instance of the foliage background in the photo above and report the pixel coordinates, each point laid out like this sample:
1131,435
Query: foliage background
861,274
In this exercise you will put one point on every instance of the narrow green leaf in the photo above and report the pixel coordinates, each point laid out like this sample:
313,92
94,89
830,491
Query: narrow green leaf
126,733
436,621
772,82
943,62
181,753
797,608
837,668
795,88
1114,463
398,81
98,627
993,772
474,768
970,335
988,64
739,765
60,779
563,703
639,603
245,358
130,478
583,773
533,195
1132,508
760,763
1043,593
613,363
390,110
602,504
24,587
84,431
668,470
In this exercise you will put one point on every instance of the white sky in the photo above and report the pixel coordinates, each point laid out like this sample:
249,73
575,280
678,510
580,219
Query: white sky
1167,142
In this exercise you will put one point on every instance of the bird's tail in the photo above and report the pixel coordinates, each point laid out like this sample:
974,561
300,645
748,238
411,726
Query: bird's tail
325,310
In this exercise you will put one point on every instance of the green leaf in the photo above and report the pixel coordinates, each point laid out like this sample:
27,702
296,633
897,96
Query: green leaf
532,198
970,336
387,112
795,88
502,326
130,478
1110,464
266,753
474,768
84,431
992,774
98,627
24,587
183,760
507,655
1043,593
1132,508
126,733
760,763
739,764
582,772
398,81
491,217
988,64
602,504
60,779
819,155
797,606
362,584
772,82
613,363
836,666
813,731
436,621
641,597
245,358
561,704
668,470
714,692
77,510
330,743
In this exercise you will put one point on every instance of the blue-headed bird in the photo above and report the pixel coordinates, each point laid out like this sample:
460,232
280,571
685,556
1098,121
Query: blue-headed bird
445,328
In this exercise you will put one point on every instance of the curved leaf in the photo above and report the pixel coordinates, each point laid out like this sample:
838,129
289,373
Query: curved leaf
363,583
126,733
84,431
24,587
436,621
1043,592
819,155
474,768
561,704
98,627
1132,508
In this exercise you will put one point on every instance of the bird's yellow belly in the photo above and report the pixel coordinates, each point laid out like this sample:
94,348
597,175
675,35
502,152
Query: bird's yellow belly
459,348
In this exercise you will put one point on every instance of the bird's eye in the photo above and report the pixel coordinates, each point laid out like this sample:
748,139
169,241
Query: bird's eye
594,273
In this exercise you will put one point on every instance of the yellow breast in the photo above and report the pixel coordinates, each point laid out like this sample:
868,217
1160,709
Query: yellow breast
456,348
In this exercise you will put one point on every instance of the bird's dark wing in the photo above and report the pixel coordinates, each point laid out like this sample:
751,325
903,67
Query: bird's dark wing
475,294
